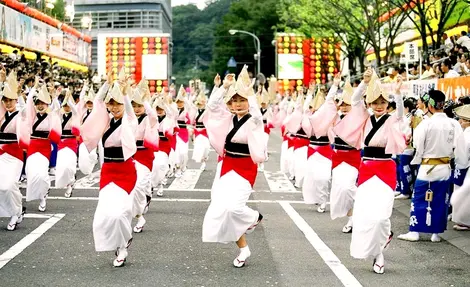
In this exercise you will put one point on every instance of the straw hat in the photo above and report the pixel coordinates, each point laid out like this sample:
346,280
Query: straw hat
347,93
374,89
90,96
201,98
242,85
68,95
115,94
181,94
463,112
11,87
318,100
44,96
137,96
159,102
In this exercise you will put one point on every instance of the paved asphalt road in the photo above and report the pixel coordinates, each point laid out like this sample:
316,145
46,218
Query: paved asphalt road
294,246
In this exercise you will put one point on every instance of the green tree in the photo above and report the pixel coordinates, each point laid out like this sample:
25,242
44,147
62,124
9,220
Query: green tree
59,10
356,22
258,17
193,38
424,14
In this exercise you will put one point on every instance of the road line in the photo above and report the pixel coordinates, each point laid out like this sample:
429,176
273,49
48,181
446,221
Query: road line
341,272
177,199
278,182
29,239
187,181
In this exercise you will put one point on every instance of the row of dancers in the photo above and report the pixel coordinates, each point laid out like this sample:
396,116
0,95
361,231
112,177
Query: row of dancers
134,134
324,135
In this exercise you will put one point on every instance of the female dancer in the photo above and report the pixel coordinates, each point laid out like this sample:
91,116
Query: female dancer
182,138
460,199
11,155
45,128
382,137
113,216
147,143
240,138
68,146
86,160
316,187
165,132
345,158
201,141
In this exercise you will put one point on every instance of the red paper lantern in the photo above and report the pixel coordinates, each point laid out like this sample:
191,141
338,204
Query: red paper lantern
279,39
293,51
293,46
292,39
152,83
152,89
280,51
165,83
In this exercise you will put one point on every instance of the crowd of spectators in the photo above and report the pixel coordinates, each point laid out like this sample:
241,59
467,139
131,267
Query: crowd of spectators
451,60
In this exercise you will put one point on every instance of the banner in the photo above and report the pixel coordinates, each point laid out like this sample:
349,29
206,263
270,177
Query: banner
414,89
455,88
23,31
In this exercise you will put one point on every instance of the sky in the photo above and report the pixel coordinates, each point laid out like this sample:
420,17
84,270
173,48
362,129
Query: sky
200,3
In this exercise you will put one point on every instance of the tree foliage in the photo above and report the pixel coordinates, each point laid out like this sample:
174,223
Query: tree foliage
432,17
193,38
356,22
203,45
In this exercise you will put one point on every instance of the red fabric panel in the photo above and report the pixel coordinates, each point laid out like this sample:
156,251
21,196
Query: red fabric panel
300,142
202,132
42,146
385,170
183,134
164,146
245,167
145,157
70,143
325,151
12,149
351,157
123,174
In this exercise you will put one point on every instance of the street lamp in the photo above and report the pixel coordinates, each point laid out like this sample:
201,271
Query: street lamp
258,46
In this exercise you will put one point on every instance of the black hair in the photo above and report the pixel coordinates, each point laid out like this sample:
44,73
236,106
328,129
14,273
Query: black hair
410,104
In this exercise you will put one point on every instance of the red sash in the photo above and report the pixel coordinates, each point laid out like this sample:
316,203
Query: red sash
164,146
183,134
202,132
385,170
351,157
325,151
145,157
123,174
172,140
267,129
42,146
71,143
300,142
12,149
244,166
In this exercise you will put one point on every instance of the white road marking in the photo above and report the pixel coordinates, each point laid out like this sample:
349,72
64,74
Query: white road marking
29,239
278,182
341,272
187,181
177,199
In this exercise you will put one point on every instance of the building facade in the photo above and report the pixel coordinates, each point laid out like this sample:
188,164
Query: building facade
122,16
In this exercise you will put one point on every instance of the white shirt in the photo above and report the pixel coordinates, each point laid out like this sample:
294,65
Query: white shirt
451,74
436,137
462,150
464,41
